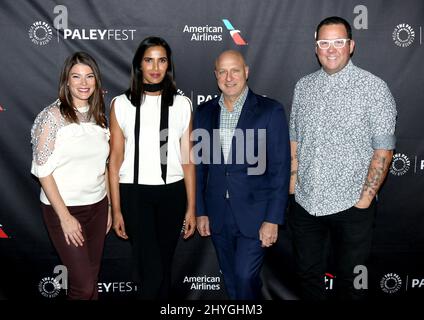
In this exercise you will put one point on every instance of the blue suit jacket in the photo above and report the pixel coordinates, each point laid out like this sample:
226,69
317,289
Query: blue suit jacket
253,198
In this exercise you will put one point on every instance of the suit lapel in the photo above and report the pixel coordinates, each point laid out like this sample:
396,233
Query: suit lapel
215,139
216,111
247,113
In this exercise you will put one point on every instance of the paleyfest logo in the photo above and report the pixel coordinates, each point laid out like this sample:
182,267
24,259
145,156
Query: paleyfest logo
41,33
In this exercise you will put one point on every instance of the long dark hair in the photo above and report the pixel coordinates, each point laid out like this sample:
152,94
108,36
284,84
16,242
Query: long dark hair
136,91
97,104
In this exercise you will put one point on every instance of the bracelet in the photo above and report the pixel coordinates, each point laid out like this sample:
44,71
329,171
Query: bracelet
109,205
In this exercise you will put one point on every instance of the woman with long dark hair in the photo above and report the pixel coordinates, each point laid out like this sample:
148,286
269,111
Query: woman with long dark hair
152,180
70,150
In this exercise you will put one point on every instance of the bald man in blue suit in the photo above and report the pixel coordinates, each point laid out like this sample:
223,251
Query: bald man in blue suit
242,156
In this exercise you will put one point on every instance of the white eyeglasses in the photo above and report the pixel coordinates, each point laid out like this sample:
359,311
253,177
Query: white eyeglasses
337,43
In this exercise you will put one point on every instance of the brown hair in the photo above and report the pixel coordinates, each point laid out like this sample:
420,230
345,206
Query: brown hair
96,102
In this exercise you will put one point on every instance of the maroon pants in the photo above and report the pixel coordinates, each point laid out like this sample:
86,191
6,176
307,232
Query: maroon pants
83,263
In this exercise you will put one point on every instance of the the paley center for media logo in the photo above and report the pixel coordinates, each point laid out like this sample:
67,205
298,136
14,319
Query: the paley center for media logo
391,283
213,33
403,164
404,35
400,164
41,32
50,286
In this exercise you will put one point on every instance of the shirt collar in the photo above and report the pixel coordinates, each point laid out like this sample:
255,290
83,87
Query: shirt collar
340,74
239,102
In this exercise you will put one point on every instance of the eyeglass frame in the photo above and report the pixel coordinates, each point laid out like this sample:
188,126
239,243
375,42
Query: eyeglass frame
332,43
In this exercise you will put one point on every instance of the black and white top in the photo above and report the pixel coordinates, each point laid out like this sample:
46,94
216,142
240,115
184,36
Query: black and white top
75,154
338,121
149,151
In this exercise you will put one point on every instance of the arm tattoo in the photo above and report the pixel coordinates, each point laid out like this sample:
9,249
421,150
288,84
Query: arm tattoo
376,174
293,172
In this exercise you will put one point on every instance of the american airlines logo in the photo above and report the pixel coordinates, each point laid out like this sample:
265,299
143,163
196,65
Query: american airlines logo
329,281
235,34
3,234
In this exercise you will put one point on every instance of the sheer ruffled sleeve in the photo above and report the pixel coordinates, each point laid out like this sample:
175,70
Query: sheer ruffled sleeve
43,138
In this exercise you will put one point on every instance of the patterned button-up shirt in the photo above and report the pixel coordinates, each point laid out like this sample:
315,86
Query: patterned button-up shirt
338,121
228,121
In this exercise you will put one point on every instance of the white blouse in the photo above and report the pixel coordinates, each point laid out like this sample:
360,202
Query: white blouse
75,154
149,155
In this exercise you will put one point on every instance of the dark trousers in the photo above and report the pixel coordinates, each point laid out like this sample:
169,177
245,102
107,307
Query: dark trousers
347,234
83,263
240,259
153,217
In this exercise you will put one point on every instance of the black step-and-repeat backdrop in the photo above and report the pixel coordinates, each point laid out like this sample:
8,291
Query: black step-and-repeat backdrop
277,38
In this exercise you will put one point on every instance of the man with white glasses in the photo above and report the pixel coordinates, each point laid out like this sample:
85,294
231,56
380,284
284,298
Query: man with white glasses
342,127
